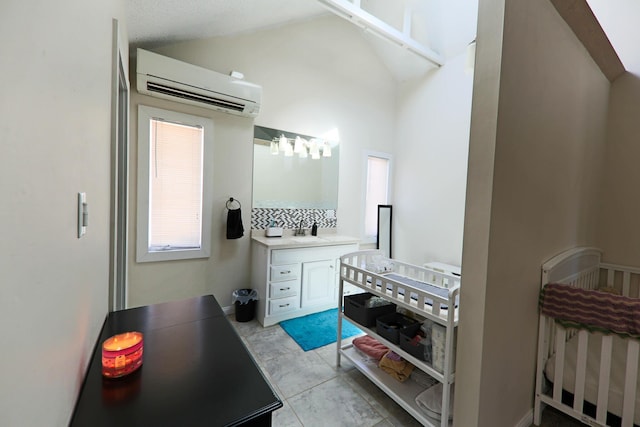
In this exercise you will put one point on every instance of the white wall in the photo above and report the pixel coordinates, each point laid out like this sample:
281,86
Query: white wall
55,113
434,113
317,76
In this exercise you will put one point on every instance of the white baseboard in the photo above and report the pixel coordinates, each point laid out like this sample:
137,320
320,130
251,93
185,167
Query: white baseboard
527,420
229,310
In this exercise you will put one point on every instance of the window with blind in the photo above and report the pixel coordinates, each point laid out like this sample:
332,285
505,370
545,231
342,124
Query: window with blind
378,172
173,219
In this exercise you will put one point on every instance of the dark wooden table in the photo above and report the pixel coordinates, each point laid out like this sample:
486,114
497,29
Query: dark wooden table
196,372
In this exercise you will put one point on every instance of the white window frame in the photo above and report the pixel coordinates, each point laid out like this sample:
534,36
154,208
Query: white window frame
368,239
143,254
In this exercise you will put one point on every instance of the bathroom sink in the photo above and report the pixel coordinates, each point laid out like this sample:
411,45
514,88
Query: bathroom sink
307,239
336,238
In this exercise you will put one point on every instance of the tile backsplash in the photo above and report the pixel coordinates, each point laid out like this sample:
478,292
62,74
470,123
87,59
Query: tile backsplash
290,218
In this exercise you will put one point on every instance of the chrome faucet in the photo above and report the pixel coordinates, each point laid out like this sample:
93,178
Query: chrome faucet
299,231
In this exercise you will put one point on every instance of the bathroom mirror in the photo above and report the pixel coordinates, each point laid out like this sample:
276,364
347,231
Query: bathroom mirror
286,179
383,241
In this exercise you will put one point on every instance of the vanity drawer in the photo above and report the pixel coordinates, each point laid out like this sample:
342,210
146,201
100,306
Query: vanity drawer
283,305
284,289
284,272
286,256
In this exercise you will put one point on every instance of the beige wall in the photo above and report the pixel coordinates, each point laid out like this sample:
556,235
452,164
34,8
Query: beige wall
55,132
154,282
619,227
540,196
316,76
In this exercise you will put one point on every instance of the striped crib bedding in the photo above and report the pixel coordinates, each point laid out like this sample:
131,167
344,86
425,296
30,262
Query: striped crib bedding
591,309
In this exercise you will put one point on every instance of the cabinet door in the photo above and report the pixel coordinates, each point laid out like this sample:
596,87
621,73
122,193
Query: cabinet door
318,283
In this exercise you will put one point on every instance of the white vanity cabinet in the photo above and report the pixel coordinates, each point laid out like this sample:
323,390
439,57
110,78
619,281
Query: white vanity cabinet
294,278
318,283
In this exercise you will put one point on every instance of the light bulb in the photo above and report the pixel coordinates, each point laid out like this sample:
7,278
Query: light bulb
326,149
283,143
288,150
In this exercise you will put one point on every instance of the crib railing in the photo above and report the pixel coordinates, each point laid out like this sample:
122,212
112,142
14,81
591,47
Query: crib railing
552,341
625,280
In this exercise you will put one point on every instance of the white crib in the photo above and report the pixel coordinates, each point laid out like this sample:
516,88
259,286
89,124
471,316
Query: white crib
599,370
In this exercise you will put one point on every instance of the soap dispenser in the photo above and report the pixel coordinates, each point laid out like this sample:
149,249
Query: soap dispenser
314,229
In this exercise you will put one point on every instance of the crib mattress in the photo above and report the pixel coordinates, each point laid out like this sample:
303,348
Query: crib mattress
618,365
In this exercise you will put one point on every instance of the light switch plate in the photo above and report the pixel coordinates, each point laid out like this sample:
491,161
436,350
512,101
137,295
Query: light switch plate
82,214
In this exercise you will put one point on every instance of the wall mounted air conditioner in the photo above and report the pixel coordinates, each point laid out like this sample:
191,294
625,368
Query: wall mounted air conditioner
179,81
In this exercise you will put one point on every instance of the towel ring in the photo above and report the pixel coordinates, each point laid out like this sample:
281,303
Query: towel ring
231,200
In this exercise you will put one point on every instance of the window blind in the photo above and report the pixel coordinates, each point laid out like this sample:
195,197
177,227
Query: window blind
377,191
175,186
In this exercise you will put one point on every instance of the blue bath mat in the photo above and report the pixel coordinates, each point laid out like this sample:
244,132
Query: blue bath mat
318,329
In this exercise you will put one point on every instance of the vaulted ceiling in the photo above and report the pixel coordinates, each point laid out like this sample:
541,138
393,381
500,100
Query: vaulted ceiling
440,30
154,22
442,26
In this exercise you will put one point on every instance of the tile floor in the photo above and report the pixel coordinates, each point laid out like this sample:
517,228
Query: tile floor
314,391
317,393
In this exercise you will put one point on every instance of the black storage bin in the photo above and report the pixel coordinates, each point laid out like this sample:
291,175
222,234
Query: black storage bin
390,325
245,302
355,308
419,349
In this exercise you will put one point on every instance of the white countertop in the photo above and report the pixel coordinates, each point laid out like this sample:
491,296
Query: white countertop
304,241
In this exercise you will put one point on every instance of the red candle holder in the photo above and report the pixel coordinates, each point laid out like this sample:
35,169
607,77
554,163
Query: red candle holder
122,354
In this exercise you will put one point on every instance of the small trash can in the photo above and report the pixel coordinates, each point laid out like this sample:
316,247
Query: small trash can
245,302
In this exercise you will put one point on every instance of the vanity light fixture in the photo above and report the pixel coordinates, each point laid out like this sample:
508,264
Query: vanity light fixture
298,145
326,149
303,154
301,146
314,150
288,149
283,142
288,152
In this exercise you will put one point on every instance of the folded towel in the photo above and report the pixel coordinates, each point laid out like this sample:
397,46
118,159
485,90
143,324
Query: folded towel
235,230
396,366
430,402
591,309
371,347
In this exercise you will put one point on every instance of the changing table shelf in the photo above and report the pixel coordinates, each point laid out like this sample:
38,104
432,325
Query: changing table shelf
413,291
403,393
420,364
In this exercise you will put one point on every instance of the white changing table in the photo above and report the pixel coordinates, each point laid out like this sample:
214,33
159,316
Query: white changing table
421,302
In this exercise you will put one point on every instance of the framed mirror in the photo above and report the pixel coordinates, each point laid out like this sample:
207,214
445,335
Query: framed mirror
292,177
383,240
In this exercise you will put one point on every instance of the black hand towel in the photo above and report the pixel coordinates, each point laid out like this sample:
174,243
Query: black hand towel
235,230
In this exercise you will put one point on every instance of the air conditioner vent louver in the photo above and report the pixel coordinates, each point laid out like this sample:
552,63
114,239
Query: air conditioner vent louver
155,87
168,78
